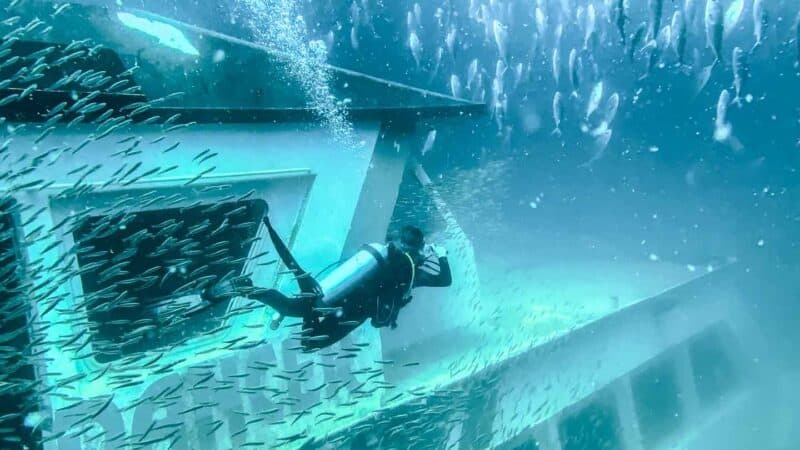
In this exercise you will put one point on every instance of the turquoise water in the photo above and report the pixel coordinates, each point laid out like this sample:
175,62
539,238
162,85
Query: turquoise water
615,183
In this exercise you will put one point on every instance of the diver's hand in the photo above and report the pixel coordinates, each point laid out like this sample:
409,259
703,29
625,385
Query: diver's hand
436,250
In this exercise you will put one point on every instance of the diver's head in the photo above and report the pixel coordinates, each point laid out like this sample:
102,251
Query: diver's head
409,239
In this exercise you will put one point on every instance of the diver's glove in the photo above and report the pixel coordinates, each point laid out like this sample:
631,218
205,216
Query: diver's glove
225,290
436,250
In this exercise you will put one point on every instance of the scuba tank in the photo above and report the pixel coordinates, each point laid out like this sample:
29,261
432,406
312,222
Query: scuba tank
367,268
354,272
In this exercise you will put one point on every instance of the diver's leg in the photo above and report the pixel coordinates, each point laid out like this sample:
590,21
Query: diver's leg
293,307
286,306
219,292
306,283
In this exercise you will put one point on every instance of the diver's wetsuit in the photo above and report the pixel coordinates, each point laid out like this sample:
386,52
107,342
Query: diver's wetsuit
329,312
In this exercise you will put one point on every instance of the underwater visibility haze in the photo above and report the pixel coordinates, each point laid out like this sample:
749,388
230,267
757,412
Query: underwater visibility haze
397,224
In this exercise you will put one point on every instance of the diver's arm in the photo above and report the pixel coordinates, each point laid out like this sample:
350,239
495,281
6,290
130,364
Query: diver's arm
443,278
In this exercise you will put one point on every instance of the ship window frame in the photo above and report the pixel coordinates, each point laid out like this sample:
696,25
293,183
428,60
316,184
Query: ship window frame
719,338
208,319
286,192
603,401
15,257
661,368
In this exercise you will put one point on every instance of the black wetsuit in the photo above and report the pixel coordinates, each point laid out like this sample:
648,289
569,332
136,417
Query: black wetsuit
380,298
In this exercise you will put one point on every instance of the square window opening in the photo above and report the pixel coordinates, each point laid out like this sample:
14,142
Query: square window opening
657,400
712,368
21,402
142,271
594,427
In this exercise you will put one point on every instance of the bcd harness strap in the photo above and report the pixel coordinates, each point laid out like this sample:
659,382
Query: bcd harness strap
389,319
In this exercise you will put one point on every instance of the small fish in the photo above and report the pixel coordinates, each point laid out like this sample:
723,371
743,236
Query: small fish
559,31
591,21
556,65
140,110
179,126
714,27
57,109
594,99
10,61
450,40
355,13
131,90
103,407
75,44
11,21
171,147
171,119
355,41
429,142
612,105
472,72
44,134
760,23
8,99
600,144
732,16
411,21
679,33
455,85
128,72
500,33
201,154
53,120
500,72
416,47
636,40
739,74
113,87
541,21
656,9
91,107
78,119
102,117
558,113
620,18
151,120
172,96
437,63
574,72
207,157
316,338
41,53
722,128
27,91
113,128
653,49
520,71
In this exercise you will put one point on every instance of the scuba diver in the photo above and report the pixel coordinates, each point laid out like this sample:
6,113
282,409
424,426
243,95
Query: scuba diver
374,284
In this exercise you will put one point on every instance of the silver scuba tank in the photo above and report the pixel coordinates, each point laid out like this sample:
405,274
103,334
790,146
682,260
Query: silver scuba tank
353,272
